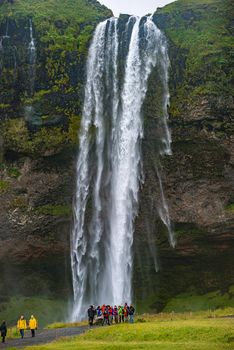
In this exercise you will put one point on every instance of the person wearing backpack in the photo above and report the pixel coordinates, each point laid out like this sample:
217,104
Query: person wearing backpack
131,314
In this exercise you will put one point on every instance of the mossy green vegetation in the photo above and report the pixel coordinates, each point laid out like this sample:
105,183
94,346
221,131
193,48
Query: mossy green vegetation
4,186
63,10
54,210
201,43
44,309
230,208
11,171
163,332
45,141
45,110
190,302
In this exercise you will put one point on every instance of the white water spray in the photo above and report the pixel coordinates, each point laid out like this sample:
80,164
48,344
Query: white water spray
109,165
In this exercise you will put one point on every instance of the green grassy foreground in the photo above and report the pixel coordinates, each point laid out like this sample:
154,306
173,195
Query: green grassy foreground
200,331
57,325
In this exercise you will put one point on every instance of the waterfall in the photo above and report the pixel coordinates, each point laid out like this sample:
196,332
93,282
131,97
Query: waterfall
29,111
5,36
32,60
8,51
109,164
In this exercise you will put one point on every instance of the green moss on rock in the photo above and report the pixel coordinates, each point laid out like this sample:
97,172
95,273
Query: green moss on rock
230,208
200,41
4,186
44,142
51,102
54,210
190,302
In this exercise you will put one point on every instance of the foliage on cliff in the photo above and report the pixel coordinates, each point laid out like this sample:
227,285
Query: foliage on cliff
200,41
43,98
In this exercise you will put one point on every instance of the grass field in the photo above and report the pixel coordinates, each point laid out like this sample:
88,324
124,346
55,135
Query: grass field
199,331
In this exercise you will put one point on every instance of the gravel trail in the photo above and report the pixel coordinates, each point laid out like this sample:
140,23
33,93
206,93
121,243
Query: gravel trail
42,337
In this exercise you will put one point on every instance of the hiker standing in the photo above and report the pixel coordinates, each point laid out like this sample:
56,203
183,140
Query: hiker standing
99,312
3,329
91,314
120,313
103,308
106,317
32,325
22,325
115,314
131,314
125,312
111,314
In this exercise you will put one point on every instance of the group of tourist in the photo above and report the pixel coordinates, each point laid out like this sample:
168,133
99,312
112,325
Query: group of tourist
21,326
107,314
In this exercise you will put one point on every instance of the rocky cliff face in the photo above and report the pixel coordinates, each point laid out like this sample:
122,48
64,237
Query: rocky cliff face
40,107
198,177
43,49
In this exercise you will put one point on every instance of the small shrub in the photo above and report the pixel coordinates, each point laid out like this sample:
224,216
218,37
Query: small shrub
13,172
230,208
4,186
19,202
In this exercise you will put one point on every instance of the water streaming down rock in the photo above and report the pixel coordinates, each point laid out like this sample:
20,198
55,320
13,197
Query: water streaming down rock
29,112
8,51
6,36
109,165
32,60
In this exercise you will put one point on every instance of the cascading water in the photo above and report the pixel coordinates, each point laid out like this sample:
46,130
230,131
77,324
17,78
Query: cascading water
109,165
32,56
8,51
32,60
5,36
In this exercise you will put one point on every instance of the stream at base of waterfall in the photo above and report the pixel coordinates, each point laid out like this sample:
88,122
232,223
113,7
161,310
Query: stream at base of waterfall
110,164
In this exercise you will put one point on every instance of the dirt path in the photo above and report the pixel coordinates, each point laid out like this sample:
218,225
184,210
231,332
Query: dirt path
42,337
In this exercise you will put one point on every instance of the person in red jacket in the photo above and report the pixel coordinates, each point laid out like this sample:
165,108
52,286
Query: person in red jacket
110,314
103,308
125,311
106,317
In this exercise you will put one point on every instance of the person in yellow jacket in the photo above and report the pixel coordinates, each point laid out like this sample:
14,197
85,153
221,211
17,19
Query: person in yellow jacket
32,325
22,325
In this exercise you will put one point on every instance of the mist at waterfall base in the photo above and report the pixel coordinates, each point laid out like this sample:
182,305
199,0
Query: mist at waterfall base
121,58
